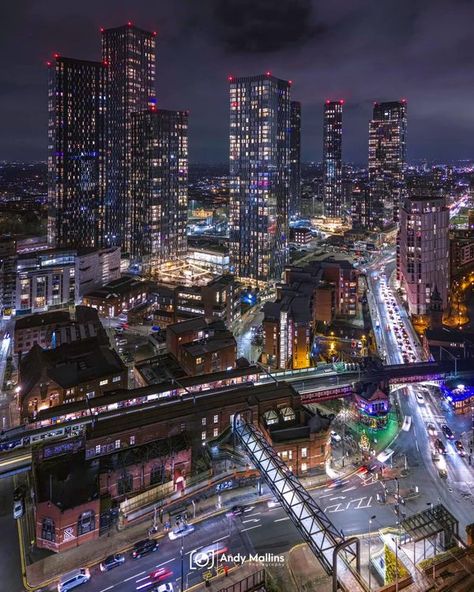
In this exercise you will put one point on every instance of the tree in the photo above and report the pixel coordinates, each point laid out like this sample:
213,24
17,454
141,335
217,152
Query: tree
391,563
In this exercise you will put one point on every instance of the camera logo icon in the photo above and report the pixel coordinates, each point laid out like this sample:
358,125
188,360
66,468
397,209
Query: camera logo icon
202,559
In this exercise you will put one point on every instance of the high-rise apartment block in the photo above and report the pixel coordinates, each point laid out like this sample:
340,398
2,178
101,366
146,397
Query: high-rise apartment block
129,54
423,250
159,185
360,206
90,132
295,157
76,152
332,159
387,158
259,176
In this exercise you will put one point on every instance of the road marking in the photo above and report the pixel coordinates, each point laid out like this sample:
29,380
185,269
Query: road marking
349,489
216,541
417,447
165,562
282,519
109,588
141,579
250,528
131,577
251,520
254,514
337,497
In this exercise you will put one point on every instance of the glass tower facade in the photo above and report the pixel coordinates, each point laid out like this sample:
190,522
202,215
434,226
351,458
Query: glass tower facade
332,159
387,158
76,153
259,176
159,186
295,157
129,54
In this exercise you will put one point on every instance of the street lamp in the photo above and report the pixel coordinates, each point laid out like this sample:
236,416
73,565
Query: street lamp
370,524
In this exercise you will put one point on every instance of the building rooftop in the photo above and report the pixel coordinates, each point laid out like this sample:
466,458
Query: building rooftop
196,324
69,364
68,481
42,319
210,345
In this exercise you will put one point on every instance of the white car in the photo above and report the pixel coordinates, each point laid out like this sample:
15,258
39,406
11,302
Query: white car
335,437
73,579
164,588
420,399
180,531
18,508
273,503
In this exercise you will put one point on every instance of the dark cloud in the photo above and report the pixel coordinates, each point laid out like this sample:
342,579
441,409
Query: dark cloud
361,51
263,25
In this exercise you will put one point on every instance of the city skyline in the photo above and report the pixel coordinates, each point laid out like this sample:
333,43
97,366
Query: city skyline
436,131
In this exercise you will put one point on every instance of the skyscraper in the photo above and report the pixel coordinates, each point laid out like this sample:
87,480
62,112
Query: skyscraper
295,157
359,206
332,159
387,157
159,186
259,176
423,250
129,54
76,153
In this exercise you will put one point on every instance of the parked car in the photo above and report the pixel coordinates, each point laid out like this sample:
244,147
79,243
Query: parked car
144,547
73,579
112,561
335,437
447,431
18,508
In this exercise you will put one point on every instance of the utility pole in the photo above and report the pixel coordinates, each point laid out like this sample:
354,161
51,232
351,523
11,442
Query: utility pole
370,575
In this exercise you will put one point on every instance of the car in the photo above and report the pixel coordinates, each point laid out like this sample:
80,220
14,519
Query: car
335,437
273,503
335,484
447,431
431,429
180,531
160,574
112,561
168,587
144,547
18,508
459,448
73,579
236,511
420,398
439,446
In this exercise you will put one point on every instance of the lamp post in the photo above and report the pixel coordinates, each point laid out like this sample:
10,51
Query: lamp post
370,524
182,564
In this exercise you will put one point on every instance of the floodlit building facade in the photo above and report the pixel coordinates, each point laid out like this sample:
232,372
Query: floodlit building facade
332,159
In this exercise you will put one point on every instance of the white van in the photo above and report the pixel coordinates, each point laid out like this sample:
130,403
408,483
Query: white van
73,579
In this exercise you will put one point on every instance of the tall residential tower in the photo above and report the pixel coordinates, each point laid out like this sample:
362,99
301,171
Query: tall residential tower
129,55
295,158
332,159
159,186
76,153
423,250
387,158
259,176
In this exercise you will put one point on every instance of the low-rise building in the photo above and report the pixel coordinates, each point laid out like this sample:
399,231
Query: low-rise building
71,372
300,236
201,347
218,300
51,329
119,296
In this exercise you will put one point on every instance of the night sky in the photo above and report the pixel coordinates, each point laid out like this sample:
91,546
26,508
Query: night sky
359,50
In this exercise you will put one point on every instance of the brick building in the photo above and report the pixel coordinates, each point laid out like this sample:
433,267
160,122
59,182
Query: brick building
119,296
71,372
